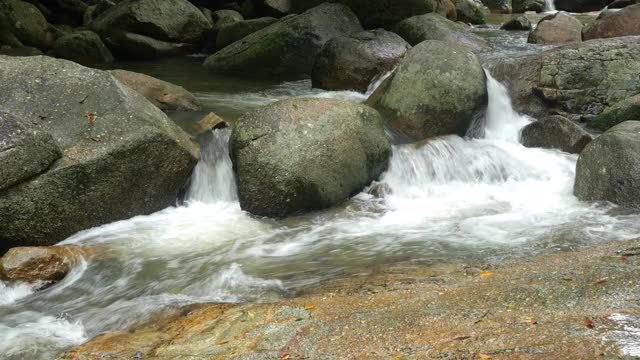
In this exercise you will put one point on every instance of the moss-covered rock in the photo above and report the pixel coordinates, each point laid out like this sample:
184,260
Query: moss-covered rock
298,155
435,27
27,23
121,156
627,109
288,47
84,47
438,89
470,11
239,30
522,6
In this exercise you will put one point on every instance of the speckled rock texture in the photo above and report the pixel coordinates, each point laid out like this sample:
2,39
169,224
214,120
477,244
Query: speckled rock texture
559,28
555,132
435,27
351,62
304,154
608,168
438,89
578,79
121,156
627,109
39,263
620,23
287,48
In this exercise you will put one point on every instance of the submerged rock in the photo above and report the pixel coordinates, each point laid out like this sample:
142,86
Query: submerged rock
619,23
627,109
558,28
608,168
435,27
555,132
164,95
438,89
239,30
304,154
39,264
578,79
288,47
84,47
351,62
121,155
520,22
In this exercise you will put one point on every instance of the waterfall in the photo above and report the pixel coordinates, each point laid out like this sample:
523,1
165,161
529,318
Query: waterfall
549,6
502,122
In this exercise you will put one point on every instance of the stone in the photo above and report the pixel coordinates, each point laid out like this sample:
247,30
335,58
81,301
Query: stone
351,62
224,18
580,79
304,154
39,264
121,156
624,22
277,8
470,12
27,23
208,123
438,89
176,21
84,47
608,168
164,95
523,6
239,30
288,47
435,27
498,6
519,23
627,109
555,132
559,28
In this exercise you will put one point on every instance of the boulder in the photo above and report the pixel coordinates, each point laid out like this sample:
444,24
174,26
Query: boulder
208,123
84,47
522,6
277,8
223,18
579,79
498,6
578,6
122,156
558,28
130,45
520,22
351,62
162,94
27,23
385,14
435,27
303,154
555,132
620,4
288,47
619,23
608,168
176,21
470,11
627,109
39,263
239,30
438,89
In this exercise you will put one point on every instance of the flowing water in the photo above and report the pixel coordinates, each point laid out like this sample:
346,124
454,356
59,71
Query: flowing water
447,198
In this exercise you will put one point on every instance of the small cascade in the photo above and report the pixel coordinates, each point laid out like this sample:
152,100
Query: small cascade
549,6
377,81
502,122
213,179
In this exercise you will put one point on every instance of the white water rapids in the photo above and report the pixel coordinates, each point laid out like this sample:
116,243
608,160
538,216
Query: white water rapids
448,198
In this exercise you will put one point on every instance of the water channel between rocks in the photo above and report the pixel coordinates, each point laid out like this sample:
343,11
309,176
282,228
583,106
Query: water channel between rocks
448,199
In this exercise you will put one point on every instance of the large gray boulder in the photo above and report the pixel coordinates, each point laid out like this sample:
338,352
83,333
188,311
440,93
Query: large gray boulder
172,21
438,89
619,23
435,27
351,62
84,47
302,154
559,28
609,167
580,79
627,109
239,30
555,132
288,47
121,156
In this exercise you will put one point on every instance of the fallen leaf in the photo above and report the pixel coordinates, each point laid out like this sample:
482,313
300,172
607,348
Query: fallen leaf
530,320
484,356
250,314
588,323
222,342
397,357
486,273
285,356
600,282
623,258
309,307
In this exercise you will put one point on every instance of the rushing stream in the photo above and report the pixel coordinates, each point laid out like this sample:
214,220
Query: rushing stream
448,198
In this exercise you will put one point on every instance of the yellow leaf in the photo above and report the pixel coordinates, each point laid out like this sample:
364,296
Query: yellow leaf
484,357
285,356
222,342
251,315
486,273
309,307
397,357
530,320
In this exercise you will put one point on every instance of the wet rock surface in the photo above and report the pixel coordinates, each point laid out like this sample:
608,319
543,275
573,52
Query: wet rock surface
435,27
520,22
39,264
555,132
559,28
553,307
